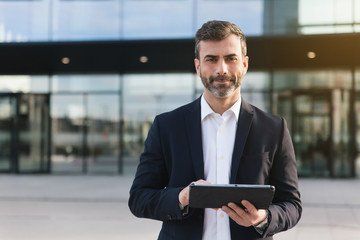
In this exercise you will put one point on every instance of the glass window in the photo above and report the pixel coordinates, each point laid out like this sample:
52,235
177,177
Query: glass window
68,114
86,20
336,16
157,19
85,83
247,14
256,90
103,133
145,96
24,83
7,114
33,129
357,79
22,21
356,10
312,79
280,16
256,81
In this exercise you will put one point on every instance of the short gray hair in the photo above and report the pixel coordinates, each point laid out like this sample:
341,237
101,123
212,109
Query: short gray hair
216,31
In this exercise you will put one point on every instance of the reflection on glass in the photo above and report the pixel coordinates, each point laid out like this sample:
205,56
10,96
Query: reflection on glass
256,81
145,96
337,16
86,20
24,83
247,14
259,99
157,19
7,112
318,120
103,133
312,79
84,83
67,114
33,130
280,17
24,21
310,130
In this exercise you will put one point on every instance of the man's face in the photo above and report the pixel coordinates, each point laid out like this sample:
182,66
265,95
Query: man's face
221,66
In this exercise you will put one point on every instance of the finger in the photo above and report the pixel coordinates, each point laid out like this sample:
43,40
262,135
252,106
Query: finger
234,216
250,208
239,211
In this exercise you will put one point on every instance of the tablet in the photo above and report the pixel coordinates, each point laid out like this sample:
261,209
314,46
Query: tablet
216,196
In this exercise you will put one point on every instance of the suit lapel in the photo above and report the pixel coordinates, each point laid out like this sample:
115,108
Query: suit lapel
193,130
242,131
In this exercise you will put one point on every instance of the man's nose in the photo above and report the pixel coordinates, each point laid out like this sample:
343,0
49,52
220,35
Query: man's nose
222,68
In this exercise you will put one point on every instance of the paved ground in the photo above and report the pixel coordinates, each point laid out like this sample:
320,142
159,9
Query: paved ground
95,207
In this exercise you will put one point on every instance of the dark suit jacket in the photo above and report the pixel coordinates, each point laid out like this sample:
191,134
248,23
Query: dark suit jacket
173,158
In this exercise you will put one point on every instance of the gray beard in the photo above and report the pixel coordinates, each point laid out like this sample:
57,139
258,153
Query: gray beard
221,91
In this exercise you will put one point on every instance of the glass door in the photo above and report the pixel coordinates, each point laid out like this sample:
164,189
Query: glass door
7,112
309,118
33,122
24,133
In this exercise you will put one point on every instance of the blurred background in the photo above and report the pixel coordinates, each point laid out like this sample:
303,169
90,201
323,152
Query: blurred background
82,80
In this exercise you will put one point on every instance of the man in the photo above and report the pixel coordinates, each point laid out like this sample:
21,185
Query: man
219,138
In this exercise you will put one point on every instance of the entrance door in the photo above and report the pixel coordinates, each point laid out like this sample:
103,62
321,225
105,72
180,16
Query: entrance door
7,113
310,121
24,133
33,129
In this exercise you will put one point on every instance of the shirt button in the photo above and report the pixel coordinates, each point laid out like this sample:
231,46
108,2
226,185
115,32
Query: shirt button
221,215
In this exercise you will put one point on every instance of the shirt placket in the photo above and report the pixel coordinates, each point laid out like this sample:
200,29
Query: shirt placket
220,171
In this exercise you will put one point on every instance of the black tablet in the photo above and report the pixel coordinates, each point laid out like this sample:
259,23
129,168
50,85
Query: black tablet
216,196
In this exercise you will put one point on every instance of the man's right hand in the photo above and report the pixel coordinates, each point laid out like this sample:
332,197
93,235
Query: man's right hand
184,194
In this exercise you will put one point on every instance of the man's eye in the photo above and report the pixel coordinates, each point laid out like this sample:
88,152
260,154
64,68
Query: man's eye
210,59
232,59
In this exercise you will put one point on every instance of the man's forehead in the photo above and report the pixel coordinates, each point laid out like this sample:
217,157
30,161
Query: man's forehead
229,45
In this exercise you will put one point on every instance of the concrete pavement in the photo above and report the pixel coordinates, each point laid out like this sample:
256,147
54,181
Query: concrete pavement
95,207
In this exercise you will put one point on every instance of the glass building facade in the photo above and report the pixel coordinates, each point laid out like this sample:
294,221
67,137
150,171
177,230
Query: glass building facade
97,123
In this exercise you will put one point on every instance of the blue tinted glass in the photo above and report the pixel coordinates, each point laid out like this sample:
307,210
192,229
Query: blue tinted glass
86,20
22,21
247,14
24,83
157,19
93,82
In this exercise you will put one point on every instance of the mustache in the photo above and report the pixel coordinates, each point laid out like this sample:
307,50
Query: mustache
221,78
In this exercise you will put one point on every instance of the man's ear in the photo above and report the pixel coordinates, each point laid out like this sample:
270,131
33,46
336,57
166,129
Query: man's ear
197,65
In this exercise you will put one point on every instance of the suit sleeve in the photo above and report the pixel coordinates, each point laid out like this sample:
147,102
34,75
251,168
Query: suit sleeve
285,211
149,195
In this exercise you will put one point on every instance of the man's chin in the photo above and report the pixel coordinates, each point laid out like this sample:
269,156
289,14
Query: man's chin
221,94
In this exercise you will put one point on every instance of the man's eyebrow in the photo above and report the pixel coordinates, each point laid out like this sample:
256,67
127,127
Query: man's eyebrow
232,55
210,56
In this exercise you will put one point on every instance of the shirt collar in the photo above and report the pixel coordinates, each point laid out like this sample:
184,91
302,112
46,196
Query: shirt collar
206,109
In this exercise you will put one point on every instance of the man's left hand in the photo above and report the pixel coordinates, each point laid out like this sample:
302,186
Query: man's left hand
250,216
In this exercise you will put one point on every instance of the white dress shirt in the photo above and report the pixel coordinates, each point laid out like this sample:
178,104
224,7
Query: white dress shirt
218,137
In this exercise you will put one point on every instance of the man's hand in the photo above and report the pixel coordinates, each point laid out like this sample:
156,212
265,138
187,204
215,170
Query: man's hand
248,217
184,194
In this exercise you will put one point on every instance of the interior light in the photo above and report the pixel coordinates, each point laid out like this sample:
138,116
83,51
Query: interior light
143,59
65,60
311,55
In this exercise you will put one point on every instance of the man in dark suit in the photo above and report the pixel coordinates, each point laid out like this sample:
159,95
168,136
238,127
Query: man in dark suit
219,138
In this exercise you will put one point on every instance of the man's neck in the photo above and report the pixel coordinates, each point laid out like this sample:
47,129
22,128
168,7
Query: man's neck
220,105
